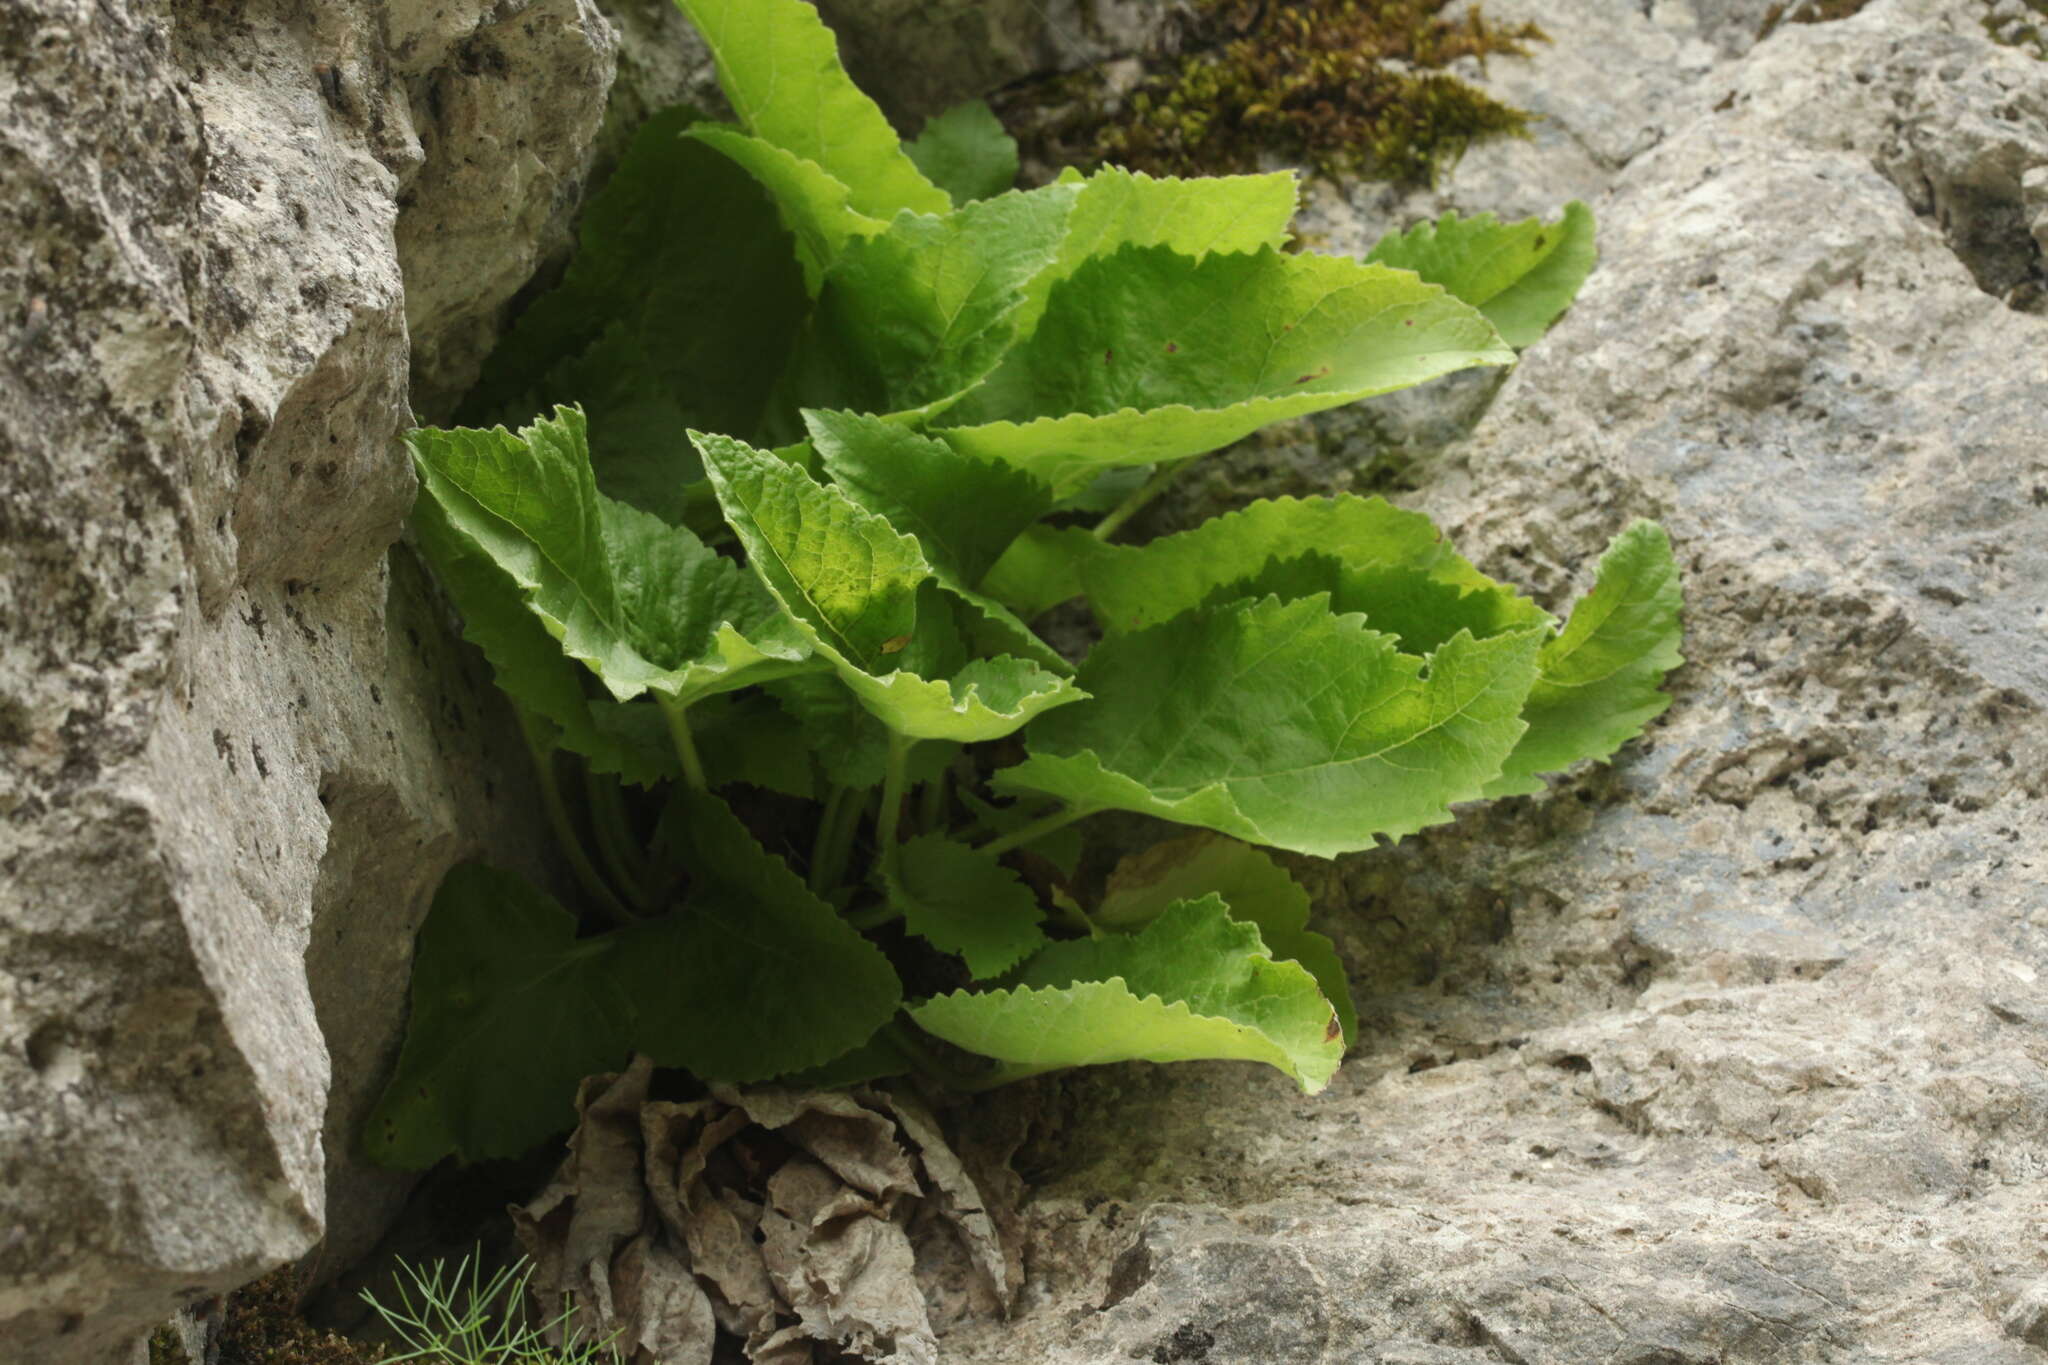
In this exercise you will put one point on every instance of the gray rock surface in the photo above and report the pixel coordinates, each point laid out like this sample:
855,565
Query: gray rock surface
915,57
921,57
237,747
1737,1051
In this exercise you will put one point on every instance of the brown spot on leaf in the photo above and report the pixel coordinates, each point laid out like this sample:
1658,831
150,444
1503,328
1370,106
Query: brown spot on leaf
895,644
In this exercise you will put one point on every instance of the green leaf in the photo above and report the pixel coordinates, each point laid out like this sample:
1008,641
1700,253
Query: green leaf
749,738
526,661
1258,891
962,512
1193,984
754,976
815,207
1042,568
1062,848
1283,724
865,597
1143,356
640,451
1120,208
645,606
877,1059
985,699
779,67
1599,679
637,744
1420,611
1228,213
1521,275
851,744
679,308
1371,556
693,612
509,1013
910,319
965,152
968,903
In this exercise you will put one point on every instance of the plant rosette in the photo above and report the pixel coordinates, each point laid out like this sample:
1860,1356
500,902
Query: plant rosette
827,421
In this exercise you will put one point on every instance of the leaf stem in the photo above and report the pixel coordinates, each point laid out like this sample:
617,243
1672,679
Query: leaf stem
565,828
1161,480
1036,830
677,714
887,823
1071,911
833,867
829,820
931,808
615,842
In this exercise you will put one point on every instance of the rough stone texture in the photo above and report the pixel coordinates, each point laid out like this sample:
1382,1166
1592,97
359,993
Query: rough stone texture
915,57
237,747
1736,1052
662,62
921,57
507,96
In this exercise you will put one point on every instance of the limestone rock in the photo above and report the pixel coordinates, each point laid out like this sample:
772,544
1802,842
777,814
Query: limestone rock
662,62
509,98
916,58
237,747
1735,1051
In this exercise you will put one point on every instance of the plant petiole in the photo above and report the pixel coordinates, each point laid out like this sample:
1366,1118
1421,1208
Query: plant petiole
931,806
615,842
1070,910
1161,480
678,717
831,870
1036,830
565,829
829,820
891,816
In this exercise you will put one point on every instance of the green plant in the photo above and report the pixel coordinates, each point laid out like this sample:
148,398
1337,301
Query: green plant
457,1317
841,440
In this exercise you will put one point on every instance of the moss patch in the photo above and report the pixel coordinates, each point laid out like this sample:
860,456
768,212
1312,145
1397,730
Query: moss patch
2018,23
1339,87
260,1325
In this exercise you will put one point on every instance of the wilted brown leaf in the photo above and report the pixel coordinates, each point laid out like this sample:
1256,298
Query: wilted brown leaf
783,1217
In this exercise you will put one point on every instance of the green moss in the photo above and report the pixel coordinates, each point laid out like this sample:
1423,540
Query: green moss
1351,87
2026,30
166,1349
261,1325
